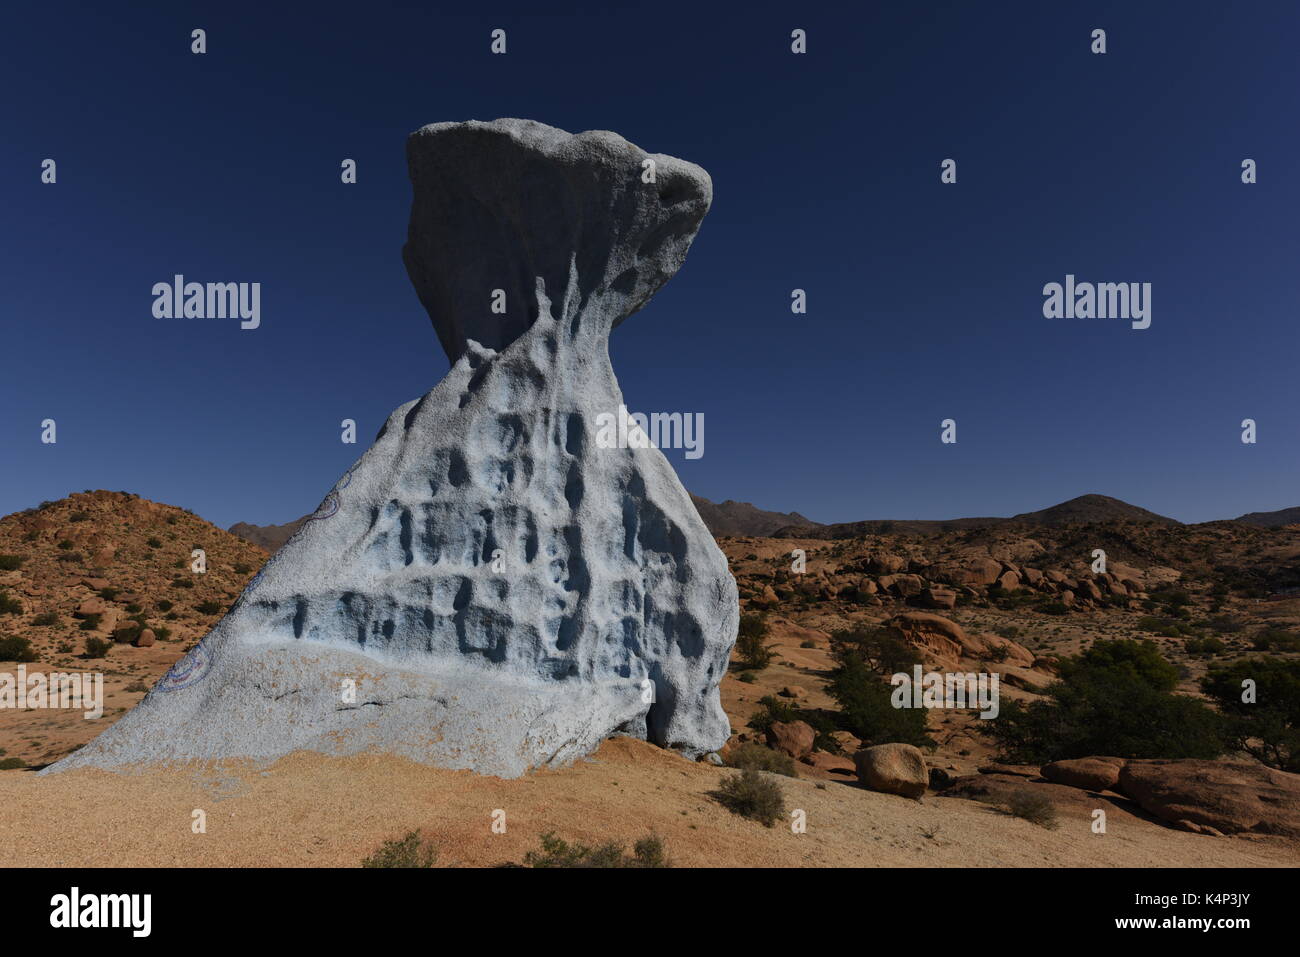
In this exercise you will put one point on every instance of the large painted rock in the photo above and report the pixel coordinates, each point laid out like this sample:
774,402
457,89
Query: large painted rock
490,586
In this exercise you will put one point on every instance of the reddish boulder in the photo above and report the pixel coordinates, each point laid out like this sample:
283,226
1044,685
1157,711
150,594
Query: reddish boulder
894,769
1229,796
794,738
1090,774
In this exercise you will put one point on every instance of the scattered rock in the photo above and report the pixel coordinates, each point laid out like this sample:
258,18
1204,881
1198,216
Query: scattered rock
794,738
893,768
1091,774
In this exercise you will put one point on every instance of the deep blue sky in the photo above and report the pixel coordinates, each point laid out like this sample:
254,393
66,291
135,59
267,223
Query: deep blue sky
925,299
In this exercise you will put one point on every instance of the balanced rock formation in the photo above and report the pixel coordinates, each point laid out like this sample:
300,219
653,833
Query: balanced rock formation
488,587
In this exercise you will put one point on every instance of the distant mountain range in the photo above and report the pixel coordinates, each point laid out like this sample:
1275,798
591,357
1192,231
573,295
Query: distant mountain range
741,519
1283,516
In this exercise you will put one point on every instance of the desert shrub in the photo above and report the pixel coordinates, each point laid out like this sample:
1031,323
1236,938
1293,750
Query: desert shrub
1035,808
79,517
1275,639
90,622
161,632
128,634
133,609
1225,624
12,764
71,557
9,605
754,795
1205,646
108,594
46,618
747,676
1116,698
154,543
409,851
807,643
771,708
163,605
182,583
10,563
16,648
751,642
1269,728
556,852
208,607
64,648
97,647
866,708
242,569
878,648
1122,656
759,758
137,685
65,545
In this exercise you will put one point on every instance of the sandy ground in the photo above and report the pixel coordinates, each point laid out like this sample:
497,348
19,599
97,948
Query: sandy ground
312,810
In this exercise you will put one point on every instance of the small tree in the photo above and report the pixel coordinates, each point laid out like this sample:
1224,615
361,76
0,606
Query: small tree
1267,728
751,642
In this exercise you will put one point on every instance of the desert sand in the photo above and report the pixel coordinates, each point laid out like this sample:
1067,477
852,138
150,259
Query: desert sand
308,810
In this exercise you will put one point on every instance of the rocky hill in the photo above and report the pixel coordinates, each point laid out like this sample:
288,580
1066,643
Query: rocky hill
1085,508
267,537
1278,519
741,518
102,582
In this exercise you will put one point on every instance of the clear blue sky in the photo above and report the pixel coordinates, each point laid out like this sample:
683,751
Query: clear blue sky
925,300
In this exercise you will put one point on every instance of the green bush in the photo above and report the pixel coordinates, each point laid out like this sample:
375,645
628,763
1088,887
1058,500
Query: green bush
754,795
90,622
10,563
46,618
1116,698
1205,646
71,557
208,607
878,648
751,755
79,517
97,647
771,708
1275,639
1268,728
1053,608
242,569
108,594
555,852
751,642
9,605
866,708
16,648
12,764
182,583
163,605
154,543
409,851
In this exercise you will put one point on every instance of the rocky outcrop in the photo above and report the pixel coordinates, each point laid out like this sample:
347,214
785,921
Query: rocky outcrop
1228,796
1090,774
490,586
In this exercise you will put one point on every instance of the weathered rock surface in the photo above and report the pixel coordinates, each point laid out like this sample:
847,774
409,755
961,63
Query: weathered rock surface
894,769
1228,796
1091,774
794,738
487,587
